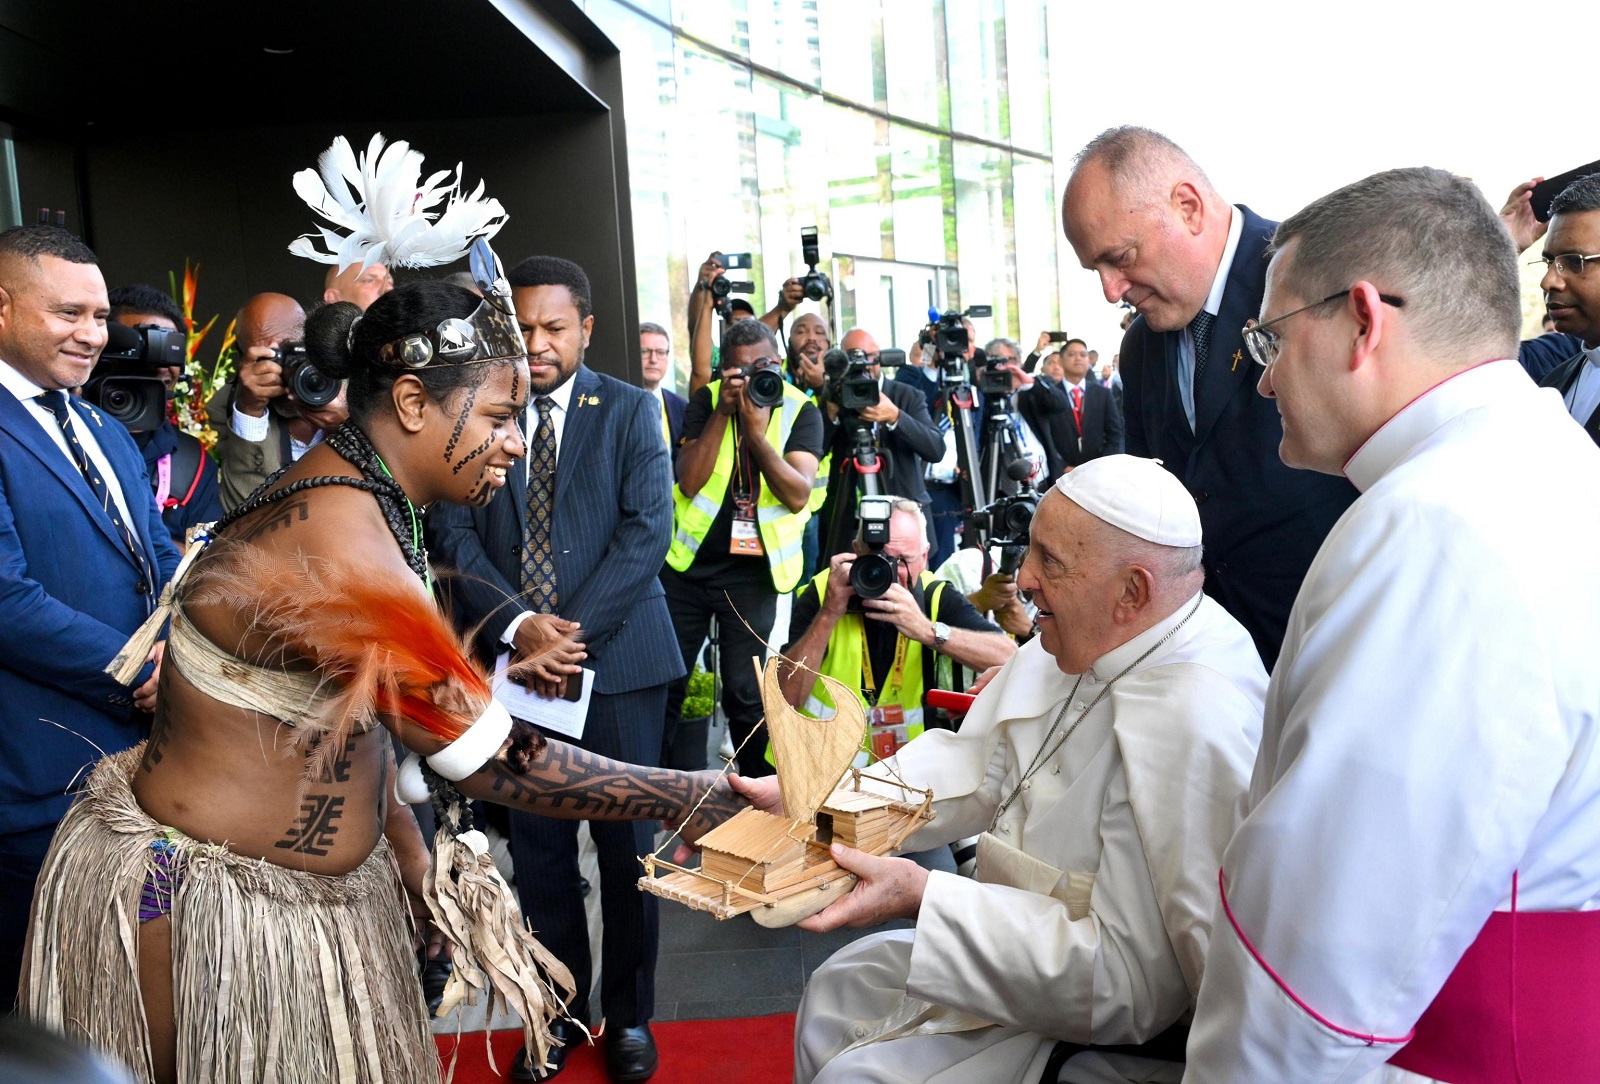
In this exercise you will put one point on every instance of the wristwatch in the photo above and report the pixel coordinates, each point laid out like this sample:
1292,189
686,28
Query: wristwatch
941,633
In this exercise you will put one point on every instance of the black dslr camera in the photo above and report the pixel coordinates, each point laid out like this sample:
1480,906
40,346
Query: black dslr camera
872,574
817,286
722,285
309,385
850,384
763,382
125,384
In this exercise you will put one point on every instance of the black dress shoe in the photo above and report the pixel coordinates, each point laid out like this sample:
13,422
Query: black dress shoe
566,1033
630,1053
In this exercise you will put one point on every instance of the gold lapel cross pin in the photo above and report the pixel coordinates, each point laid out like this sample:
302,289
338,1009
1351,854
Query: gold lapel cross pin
1238,356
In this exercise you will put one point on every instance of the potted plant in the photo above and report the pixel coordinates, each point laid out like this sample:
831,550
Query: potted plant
688,742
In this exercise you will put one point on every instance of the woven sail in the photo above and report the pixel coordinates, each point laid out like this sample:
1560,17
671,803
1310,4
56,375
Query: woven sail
811,755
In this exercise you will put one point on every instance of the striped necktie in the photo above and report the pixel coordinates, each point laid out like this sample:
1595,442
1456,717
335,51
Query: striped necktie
538,559
57,404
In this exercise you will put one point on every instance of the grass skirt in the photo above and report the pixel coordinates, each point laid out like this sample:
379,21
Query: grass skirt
278,975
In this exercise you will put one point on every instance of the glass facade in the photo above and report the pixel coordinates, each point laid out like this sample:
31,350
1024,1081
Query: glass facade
916,135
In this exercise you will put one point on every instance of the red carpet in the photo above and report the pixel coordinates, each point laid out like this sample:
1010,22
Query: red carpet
746,1050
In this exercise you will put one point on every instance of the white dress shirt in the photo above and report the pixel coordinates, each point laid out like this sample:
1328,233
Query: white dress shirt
27,393
1213,305
255,430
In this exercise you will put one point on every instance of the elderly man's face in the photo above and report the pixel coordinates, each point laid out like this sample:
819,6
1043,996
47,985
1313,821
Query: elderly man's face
909,542
1073,582
1574,300
1145,250
360,285
1305,378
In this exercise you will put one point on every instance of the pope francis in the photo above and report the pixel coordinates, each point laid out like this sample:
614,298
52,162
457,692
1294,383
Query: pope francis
1104,766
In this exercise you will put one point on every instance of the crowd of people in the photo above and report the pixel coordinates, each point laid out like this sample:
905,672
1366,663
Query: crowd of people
1280,754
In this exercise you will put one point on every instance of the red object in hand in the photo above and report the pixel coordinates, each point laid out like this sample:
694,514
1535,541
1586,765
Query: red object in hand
959,703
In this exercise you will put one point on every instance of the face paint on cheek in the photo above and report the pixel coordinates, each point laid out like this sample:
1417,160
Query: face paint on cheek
461,422
470,456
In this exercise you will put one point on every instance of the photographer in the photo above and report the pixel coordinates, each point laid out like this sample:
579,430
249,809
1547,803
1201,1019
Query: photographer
183,477
866,642
702,310
745,473
266,426
902,430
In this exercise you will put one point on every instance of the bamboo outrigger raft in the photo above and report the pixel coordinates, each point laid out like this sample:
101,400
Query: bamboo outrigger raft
778,866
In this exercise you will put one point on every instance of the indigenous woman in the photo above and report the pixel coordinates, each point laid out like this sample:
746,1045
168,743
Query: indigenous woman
227,902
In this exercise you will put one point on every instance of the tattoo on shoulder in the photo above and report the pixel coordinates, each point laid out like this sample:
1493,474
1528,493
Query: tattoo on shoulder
313,830
280,517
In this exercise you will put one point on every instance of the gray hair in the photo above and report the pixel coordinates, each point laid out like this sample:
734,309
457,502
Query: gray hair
1581,195
1424,234
1133,156
647,328
988,347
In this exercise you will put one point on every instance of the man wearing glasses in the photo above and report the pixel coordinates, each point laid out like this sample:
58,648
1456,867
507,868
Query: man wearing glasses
1141,214
1410,895
1571,286
655,370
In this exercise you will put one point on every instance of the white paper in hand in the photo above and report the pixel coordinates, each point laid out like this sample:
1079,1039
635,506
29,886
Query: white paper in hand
561,716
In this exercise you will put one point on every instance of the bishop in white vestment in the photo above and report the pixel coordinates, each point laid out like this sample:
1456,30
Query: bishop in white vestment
1107,780
1418,873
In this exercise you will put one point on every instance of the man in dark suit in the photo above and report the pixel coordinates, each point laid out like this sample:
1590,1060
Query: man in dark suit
1141,214
580,537
655,370
1078,413
907,441
83,556
1571,288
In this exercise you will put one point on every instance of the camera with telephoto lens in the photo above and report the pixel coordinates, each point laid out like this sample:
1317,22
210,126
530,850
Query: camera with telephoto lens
125,383
873,573
763,382
817,286
850,382
310,385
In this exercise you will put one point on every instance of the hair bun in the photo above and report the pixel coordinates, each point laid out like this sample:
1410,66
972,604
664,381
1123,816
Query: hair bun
328,338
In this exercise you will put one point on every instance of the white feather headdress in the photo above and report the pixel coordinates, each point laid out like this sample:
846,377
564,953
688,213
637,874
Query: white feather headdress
386,212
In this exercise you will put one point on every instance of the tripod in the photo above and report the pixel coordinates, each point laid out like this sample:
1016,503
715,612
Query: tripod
856,452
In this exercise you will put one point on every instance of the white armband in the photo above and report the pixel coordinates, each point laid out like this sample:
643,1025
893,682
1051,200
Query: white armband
473,749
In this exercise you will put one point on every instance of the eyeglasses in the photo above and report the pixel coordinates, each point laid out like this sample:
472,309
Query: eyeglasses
1568,264
1265,346
663,354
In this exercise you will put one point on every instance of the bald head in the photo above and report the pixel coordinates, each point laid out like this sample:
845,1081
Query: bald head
268,319
858,339
359,285
1140,213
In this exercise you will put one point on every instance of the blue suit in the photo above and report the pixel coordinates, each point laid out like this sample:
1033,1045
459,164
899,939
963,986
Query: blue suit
70,596
1262,521
676,405
610,530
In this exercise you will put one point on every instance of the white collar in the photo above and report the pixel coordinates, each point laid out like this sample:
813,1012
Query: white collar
1219,284
561,397
1118,659
1420,418
17,384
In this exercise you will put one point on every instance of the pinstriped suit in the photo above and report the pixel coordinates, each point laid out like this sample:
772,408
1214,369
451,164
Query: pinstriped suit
611,527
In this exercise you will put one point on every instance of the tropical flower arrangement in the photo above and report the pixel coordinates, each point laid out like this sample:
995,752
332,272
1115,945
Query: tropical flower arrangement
188,406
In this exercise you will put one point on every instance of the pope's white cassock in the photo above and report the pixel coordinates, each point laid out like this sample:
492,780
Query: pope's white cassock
1430,731
1112,850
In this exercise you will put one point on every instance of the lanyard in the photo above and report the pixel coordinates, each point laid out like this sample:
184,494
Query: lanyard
869,686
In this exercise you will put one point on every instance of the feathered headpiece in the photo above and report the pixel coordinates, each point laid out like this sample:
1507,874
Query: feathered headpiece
388,213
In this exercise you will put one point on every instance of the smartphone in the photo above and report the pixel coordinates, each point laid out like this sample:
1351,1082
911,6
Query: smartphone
1547,190
734,261
1058,336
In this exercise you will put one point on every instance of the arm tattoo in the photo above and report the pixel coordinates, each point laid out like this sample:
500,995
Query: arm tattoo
566,781
313,830
286,515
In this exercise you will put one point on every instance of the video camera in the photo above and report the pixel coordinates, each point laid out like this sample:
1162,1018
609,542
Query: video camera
125,384
850,384
951,343
817,286
310,385
721,286
1007,520
873,573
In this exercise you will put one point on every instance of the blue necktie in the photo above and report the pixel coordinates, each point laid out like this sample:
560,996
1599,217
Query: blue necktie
56,403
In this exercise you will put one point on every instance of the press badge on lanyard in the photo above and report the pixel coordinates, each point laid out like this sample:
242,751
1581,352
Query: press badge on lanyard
745,538
888,725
